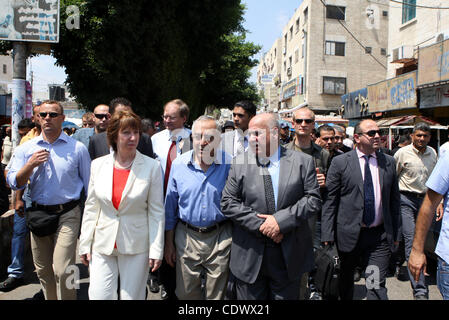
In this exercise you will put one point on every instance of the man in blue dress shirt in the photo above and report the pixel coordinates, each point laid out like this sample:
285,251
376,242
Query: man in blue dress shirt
58,169
198,235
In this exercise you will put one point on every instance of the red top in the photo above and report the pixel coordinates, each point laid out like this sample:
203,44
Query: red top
118,184
119,178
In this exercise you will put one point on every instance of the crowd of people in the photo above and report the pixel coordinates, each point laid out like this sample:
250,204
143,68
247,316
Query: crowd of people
236,211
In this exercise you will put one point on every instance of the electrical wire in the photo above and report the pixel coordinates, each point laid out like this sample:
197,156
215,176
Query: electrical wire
355,38
418,6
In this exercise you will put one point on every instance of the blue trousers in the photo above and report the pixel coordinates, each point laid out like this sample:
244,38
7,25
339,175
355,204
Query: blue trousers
20,231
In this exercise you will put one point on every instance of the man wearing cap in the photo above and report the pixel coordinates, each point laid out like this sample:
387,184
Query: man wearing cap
284,133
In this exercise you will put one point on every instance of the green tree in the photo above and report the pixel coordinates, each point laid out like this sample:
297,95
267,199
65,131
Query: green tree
152,51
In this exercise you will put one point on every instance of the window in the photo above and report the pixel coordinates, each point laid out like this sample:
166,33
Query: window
296,55
383,51
368,49
285,65
275,53
333,85
335,48
4,68
285,39
297,26
408,10
291,33
303,49
335,12
306,15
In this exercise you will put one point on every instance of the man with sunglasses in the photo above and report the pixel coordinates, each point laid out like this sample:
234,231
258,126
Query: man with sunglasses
56,169
236,142
361,213
101,118
414,164
98,144
304,123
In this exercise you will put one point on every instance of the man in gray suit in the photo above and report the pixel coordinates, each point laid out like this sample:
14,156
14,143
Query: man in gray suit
269,195
236,142
361,212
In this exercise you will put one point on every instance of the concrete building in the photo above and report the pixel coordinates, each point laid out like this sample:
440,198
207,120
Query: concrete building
6,68
412,27
329,48
268,76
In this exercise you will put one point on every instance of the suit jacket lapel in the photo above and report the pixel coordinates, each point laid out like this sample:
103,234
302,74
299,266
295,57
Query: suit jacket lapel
135,168
285,170
106,176
354,163
381,163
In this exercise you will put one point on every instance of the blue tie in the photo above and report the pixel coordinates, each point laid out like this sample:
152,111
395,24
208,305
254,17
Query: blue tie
368,188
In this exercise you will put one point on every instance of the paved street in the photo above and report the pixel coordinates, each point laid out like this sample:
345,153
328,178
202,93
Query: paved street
397,290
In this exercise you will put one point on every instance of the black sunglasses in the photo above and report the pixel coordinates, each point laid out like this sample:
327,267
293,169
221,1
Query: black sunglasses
100,116
51,114
308,121
372,133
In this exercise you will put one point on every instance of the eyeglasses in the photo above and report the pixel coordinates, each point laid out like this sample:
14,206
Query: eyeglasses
101,116
51,114
169,118
372,133
300,121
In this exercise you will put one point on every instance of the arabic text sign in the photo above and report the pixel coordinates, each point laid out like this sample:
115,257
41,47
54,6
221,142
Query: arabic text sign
434,97
393,94
29,20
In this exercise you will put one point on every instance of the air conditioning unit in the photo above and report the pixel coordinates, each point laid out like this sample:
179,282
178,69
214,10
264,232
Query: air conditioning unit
289,71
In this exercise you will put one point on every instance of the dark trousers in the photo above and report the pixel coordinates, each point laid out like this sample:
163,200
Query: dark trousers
272,283
167,277
375,252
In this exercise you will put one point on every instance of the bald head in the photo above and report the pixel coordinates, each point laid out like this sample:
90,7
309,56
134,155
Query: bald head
264,134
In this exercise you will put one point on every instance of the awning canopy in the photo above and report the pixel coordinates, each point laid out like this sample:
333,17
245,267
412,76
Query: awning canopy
407,122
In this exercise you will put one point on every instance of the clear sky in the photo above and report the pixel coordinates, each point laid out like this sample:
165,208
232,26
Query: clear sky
264,20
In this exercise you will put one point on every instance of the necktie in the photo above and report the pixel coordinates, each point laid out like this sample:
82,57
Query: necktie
170,157
269,192
368,188
240,145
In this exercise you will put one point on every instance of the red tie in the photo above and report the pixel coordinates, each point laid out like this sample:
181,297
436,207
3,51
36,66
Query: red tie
170,157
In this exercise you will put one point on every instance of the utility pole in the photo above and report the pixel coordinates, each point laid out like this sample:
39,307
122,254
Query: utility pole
20,55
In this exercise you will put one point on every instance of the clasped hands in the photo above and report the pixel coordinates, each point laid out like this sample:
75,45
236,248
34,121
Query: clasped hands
270,228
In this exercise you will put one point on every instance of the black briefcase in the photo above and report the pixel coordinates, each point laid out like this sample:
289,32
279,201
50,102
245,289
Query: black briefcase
328,272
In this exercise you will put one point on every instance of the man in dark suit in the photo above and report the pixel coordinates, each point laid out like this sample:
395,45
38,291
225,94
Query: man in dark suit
269,195
361,212
98,144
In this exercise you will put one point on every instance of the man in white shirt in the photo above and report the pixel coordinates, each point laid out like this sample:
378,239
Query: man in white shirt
236,142
167,145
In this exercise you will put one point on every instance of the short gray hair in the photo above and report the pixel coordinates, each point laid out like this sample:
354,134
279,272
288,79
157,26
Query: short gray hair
204,118
421,126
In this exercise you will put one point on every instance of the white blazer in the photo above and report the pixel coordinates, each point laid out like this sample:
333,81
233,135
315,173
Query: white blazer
138,224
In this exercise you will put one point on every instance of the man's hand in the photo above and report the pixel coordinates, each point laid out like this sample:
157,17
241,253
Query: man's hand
154,264
417,263
270,227
38,158
278,238
321,178
440,212
20,207
85,258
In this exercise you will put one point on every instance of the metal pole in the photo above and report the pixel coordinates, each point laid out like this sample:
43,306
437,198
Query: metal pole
20,55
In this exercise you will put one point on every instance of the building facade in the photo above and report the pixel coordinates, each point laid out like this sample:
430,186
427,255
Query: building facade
6,72
329,48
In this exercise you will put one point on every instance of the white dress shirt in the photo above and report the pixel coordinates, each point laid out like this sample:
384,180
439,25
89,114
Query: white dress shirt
162,141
